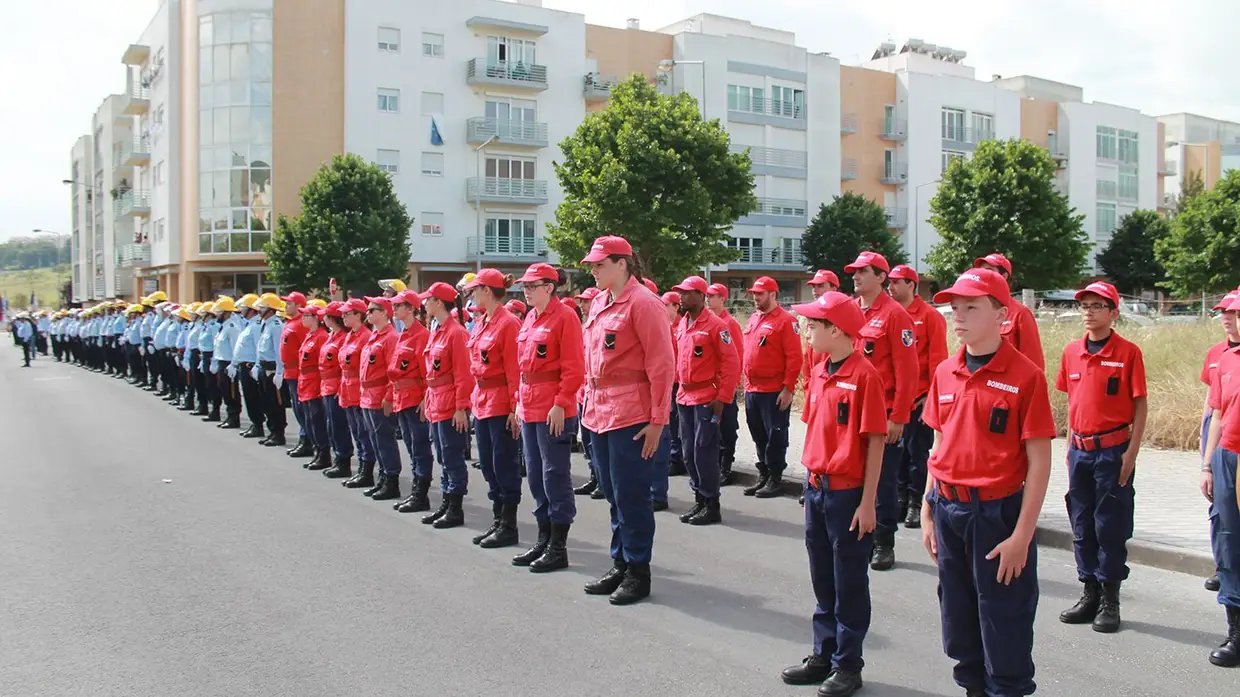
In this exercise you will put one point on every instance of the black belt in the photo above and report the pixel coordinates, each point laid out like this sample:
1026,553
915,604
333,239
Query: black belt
267,365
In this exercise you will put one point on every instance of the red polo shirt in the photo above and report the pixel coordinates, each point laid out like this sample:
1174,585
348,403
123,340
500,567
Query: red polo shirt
1224,391
707,367
772,351
329,363
985,419
309,379
1101,387
493,363
1022,330
291,337
448,382
407,370
841,411
738,337
888,341
551,357
930,334
1211,364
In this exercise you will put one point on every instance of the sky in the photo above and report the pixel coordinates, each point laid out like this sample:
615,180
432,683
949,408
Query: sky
61,58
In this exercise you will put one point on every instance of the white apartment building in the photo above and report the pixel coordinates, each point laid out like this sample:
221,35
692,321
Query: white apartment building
110,184
1198,144
82,218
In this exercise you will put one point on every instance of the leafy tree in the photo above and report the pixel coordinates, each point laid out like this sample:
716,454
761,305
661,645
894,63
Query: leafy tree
1129,259
844,228
650,169
1202,252
40,252
351,228
1191,184
1003,199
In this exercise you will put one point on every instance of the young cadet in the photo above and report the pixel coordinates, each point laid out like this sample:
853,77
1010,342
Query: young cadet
846,413
1104,376
707,370
824,281
729,426
930,340
772,369
988,475
1228,319
887,341
1020,328
291,338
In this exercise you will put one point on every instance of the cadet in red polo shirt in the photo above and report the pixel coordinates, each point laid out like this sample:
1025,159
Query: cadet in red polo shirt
823,281
729,425
930,340
772,368
1104,376
888,342
291,337
1020,328
988,476
1228,319
707,370
846,417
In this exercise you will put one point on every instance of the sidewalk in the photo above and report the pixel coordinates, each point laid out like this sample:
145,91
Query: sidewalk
1172,530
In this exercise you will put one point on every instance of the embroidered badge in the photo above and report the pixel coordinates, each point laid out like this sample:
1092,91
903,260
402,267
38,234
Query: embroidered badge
404,365
435,364
486,356
726,336
796,328
541,350
609,341
697,351
371,360
305,356
906,337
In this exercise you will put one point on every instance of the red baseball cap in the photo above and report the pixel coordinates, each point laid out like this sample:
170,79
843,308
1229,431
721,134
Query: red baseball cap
491,278
334,309
906,272
692,283
717,289
407,297
671,298
836,308
540,272
474,309
865,259
1106,290
822,277
355,305
650,286
569,303
294,297
994,259
440,290
1235,304
764,284
588,294
1225,302
605,246
515,306
381,301
975,284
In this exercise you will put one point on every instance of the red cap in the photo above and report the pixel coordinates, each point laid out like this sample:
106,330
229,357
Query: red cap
1225,302
650,286
822,277
764,284
692,283
975,284
1235,304
671,298
717,289
440,290
569,303
836,308
407,297
540,272
588,294
295,297
515,306
334,309
1106,290
865,259
994,259
491,278
606,246
381,301
474,309
906,272
355,305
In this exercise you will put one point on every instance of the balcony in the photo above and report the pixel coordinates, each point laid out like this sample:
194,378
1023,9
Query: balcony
482,71
895,173
965,137
769,112
777,212
133,255
598,87
123,285
530,192
1169,168
134,204
786,255
848,123
848,168
137,100
135,152
500,249
136,54
531,134
777,162
897,217
894,129
101,288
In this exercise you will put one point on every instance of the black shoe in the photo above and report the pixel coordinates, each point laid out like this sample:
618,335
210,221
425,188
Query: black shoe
213,416
454,516
884,555
904,499
912,520
677,469
772,488
438,513
709,515
610,582
842,683
812,671
230,423
506,535
302,449
725,471
342,468
533,553
1227,655
254,431
322,460
659,505
417,501
276,439
390,489
598,494
589,487
496,508
634,587
364,479
698,504
556,555
202,410
1107,620
763,475
377,485
1212,584
1086,609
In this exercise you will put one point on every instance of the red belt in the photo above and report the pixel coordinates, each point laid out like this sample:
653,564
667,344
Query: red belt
442,380
409,382
833,482
693,386
309,371
378,382
540,377
330,374
965,494
1102,441
618,378
351,373
498,381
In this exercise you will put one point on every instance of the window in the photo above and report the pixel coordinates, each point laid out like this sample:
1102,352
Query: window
389,100
1106,189
983,127
432,103
503,50
159,172
741,98
388,161
157,119
953,124
1106,223
949,155
1106,143
432,164
159,230
512,110
511,235
787,101
510,168
1127,181
889,118
889,163
1127,142
389,39
432,45
432,224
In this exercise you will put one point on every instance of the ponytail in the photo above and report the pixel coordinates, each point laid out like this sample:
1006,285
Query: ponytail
632,264
460,310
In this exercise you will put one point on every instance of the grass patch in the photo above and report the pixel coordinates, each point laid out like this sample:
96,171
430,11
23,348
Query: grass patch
17,285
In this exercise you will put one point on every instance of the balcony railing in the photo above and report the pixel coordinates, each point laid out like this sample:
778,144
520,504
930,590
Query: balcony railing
529,133
773,107
781,206
848,123
133,254
1169,168
772,157
133,203
895,173
137,100
134,152
897,217
1106,189
598,87
785,255
506,73
848,168
967,134
894,129
497,248
501,190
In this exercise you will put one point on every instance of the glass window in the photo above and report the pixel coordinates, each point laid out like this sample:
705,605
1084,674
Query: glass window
983,127
949,155
204,244
389,100
260,62
432,164
260,124
389,39
1128,181
219,243
240,242
204,31
952,122
240,26
432,45
432,224
239,62
388,161
260,93
1106,222
239,190
1106,142
220,59
260,28
205,130
221,126
787,101
258,240
204,66
260,218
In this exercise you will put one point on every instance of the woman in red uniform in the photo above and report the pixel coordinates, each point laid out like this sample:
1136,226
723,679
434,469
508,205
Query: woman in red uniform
357,334
376,399
309,385
448,386
408,375
330,376
549,352
629,366
590,488
493,363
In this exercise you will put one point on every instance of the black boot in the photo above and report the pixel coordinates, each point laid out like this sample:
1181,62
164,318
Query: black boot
1107,621
904,497
506,535
634,587
213,416
763,475
302,449
377,485
709,515
912,520
342,468
725,470
495,511
556,555
417,500
365,477
1212,584
1227,655
589,487
322,460
812,671
659,505
772,488
598,494
1086,609
610,581
202,410
884,555
390,489
276,439
230,423
677,469
842,683
530,555
437,513
454,516
254,431
698,504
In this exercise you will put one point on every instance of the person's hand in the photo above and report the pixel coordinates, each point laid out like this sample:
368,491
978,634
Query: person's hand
215,367
1207,485
716,408
387,408
784,400
1128,464
514,425
1012,554
460,421
278,379
864,520
422,411
555,421
651,433
232,372
928,540
894,431
254,372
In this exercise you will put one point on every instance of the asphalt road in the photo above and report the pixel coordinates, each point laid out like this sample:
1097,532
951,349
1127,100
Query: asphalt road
247,575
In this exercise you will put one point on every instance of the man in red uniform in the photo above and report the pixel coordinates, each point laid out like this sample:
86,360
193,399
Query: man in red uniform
889,342
988,476
291,337
772,367
930,340
707,370
1228,319
1020,328
1104,376
729,426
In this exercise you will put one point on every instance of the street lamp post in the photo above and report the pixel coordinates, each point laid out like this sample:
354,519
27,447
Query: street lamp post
917,224
478,199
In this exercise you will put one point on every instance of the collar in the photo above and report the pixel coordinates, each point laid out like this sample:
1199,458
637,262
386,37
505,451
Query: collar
998,364
625,293
1108,349
847,369
917,305
376,335
553,308
880,303
773,312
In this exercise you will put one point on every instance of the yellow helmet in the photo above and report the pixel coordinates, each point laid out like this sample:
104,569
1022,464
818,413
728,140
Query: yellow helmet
184,314
192,307
466,280
269,301
317,303
393,284
132,309
206,308
224,304
247,301
158,296
146,300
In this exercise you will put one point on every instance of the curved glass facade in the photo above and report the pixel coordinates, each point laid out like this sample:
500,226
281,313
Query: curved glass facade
234,131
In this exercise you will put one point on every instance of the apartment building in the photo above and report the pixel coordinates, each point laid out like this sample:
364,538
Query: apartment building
1197,145
105,181
81,219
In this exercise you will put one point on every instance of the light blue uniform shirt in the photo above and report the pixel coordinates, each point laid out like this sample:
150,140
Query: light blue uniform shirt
226,340
24,331
206,335
118,325
190,340
269,342
162,336
246,348
44,324
147,327
133,333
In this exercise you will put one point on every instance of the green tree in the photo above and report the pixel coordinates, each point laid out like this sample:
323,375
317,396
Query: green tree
844,228
650,169
1191,185
1129,259
1202,252
1003,199
351,228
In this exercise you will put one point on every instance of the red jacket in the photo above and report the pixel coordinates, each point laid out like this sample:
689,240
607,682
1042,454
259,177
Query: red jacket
493,363
351,367
406,370
448,382
707,367
887,340
329,363
930,340
309,377
772,351
551,359
291,337
376,355
1022,330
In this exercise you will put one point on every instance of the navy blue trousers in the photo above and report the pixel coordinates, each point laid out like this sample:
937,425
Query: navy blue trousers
547,470
315,416
497,458
699,435
299,412
417,436
1225,520
917,440
625,478
450,451
729,430
675,450
768,426
337,426
839,569
661,466
360,430
382,430
1101,512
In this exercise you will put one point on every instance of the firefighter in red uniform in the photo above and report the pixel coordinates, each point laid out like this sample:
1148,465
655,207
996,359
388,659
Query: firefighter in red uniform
448,389
376,400
407,371
309,385
293,333
729,426
889,342
930,340
1020,328
707,371
772,368
1228,319
591,487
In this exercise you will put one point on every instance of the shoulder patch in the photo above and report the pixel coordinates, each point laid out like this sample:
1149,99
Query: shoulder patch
906,337
726,336
796,328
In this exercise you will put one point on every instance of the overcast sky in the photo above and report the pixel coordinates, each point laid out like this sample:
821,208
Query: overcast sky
60,59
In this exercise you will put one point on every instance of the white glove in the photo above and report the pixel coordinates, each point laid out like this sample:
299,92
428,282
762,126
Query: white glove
202,366
232,372
254,372
279,380
215,367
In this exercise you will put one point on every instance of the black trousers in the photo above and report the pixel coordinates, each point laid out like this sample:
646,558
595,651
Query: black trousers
228,391
250,394
273,402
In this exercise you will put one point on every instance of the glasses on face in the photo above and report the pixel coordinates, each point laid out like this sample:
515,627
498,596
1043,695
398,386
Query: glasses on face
373,309
537,285
1093,307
